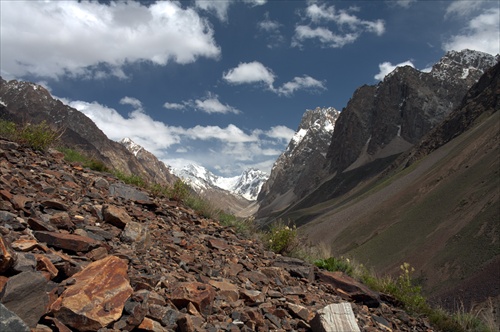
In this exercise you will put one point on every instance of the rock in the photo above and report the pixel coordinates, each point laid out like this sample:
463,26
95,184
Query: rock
296,267
25,295
24,262
356,290
200,294
335,317
54,204
136,233
7,258
127,192
151,325
115,216
226,290
98,296
9,321
71,242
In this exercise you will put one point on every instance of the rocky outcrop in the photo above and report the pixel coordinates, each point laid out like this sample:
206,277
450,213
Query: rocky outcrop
191,275
296,172
24,102
389,118
157,170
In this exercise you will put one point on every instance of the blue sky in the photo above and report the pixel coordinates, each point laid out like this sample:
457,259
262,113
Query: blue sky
224,84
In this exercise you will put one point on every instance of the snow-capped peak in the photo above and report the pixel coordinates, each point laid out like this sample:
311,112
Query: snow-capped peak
131,145
247,184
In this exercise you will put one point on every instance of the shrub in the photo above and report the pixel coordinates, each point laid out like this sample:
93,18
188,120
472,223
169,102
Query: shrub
73,156
335,264
37,136
406,291
130,179
281,238
180,191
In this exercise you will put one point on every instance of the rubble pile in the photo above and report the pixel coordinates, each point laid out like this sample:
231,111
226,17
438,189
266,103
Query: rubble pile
82,251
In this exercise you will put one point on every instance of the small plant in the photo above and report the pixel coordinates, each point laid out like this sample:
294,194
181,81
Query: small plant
131,179
7,129
180,191
37,136
404,290
74,156
335,264
281,238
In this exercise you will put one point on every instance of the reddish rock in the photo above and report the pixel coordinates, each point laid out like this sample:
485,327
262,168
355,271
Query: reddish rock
54,204
217,244
201,295
69,242
24,244
43,264
97,297
6,256
226,290
151,325
115,216
356,290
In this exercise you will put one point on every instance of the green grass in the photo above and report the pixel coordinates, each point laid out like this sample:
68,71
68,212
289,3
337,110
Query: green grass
74,156
39,136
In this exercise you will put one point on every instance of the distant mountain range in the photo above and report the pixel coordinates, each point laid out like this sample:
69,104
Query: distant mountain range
246,185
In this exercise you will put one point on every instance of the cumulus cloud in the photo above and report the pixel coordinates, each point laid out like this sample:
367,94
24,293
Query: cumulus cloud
256,72
134,102
481,32
387,67
324,18
301,83
209,104
229,148
250,72
403,3
95,40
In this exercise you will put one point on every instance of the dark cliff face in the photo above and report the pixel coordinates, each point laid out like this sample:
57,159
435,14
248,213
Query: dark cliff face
389,118
296,172
24,102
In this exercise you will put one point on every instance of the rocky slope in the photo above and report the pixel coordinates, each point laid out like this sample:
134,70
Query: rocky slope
295,172
157,170
81,251
436,206
24,102
388,118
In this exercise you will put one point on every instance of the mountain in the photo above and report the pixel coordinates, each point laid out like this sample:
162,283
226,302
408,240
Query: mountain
295,172
246,185
435,206
386,119
25,102
157,170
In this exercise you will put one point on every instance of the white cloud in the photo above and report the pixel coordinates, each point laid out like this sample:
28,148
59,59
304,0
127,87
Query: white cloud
463,8
219,8
249,72
481,34
212,105
95,40
324,35
281,132
256,72
301,83
174,106
270,29
209,104
350,26
387,67
134,102
229,148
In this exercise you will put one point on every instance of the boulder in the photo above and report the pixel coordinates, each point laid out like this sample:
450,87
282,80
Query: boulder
97,296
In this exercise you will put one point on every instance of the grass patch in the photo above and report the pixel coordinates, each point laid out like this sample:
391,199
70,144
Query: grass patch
39,136
74,156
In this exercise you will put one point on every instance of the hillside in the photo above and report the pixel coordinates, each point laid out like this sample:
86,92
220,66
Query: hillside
82,251
436,206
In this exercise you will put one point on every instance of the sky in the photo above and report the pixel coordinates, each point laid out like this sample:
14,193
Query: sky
224,84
